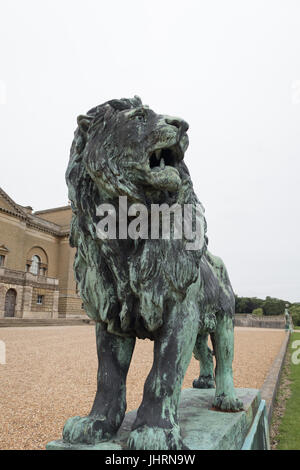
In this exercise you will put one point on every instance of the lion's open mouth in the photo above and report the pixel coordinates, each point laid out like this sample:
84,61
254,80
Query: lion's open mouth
163,157
163,169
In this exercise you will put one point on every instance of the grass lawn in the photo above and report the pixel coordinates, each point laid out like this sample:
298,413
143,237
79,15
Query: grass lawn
289,429
296,327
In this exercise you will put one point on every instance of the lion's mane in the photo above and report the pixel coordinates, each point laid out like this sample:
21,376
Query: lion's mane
127,285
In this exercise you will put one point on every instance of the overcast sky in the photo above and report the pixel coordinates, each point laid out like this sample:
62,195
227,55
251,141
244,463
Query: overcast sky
230,68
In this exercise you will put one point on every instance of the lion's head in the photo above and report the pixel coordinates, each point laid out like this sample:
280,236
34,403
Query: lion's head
131,150
122,148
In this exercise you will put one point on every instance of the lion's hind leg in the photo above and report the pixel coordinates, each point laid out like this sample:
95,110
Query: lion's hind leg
223,341
222,336
205,357
108,411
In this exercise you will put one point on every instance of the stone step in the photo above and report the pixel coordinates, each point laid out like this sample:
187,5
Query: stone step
21,322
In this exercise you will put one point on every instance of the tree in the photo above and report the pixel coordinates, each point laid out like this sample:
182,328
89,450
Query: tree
247,304
273,306
269,306
258,312
295,312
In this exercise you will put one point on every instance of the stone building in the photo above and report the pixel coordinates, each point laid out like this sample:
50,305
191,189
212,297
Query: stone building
36,262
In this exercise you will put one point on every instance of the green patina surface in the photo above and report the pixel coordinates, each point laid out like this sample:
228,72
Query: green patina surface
202,427
159,289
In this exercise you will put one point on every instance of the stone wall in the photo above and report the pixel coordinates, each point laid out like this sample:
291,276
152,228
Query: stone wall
27,287
267,321
70,306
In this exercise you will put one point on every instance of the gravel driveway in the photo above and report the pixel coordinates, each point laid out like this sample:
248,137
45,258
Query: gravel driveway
50,375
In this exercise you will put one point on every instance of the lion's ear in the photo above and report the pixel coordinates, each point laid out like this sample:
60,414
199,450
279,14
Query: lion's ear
83,122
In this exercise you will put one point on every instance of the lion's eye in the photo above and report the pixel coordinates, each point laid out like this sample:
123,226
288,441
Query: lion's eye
140,117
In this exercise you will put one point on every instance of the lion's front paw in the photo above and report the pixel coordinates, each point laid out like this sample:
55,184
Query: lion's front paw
86,430
227,403
155,438
204,381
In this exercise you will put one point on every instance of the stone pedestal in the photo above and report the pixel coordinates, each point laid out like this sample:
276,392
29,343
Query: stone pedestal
202,427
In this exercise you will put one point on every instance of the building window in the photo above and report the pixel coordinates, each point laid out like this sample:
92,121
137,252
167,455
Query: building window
2,259
35,264
40,299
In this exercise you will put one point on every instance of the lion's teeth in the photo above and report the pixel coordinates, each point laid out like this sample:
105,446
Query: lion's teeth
162,163
157,153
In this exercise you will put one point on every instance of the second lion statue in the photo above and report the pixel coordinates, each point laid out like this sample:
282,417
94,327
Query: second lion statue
144,288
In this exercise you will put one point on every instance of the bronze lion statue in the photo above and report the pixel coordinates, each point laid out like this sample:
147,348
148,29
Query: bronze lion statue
143,287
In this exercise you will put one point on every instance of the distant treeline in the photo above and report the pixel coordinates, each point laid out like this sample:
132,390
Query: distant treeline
267,306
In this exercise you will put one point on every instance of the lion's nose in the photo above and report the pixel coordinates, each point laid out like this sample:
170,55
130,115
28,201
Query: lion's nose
177,122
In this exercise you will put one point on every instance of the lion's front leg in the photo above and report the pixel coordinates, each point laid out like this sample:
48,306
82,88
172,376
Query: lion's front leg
107,413
156,426
223,343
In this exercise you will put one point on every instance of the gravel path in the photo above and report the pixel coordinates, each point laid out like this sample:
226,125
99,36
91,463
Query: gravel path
50,375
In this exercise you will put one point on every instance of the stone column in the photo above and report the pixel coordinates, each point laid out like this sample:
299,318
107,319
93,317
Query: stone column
19,303
55,304
27,299
2,300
